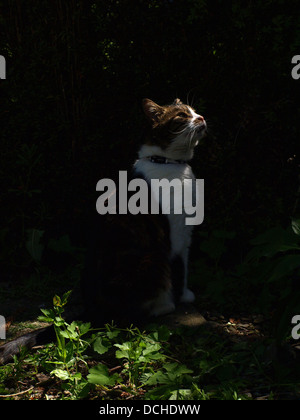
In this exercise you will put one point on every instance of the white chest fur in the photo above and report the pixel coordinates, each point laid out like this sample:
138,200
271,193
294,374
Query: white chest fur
180,233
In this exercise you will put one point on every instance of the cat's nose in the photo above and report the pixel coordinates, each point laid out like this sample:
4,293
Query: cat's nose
200,118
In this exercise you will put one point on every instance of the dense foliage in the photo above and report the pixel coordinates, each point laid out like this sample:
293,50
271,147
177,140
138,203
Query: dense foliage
124,364
71,114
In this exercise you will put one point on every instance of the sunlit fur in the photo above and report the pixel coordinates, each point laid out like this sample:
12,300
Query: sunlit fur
174,129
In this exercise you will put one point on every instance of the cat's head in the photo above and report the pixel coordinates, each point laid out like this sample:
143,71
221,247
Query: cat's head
175,130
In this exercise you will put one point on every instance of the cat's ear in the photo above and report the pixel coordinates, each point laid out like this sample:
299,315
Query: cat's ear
152,110
177,102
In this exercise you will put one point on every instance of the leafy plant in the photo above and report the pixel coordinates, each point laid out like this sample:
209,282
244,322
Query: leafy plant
139,355
273,264
99,375
173,382
70,347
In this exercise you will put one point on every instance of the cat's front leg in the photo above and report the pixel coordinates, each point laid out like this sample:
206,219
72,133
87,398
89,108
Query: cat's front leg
162,305
187,296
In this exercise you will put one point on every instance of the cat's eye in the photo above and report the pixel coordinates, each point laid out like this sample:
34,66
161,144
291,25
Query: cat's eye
182,115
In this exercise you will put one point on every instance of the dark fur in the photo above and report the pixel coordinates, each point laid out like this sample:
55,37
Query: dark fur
127,264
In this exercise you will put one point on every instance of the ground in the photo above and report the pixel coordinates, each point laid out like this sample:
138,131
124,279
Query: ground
231,357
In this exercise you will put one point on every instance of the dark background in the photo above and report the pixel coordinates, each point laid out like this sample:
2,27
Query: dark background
71,114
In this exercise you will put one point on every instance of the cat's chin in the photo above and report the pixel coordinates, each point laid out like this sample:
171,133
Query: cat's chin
182,156
180,153
200,132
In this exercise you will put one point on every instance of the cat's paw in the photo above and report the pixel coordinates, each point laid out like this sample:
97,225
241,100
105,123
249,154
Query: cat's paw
162,309
187,296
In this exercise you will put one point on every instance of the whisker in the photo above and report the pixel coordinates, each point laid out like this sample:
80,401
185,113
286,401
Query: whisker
190,103
176,132
187,98
179,131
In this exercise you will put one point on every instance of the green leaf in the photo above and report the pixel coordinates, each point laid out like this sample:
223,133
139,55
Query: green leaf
85,388
284,266
124,351
44,318
177,369
72,329
77,376
174,373
61,374
100,347
112,334
69,352
162,392
151,348
65,298
99,375
84,327
64,334
48,313
273,241
180,394
163,333
57,301
156,378
122,354
58,322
